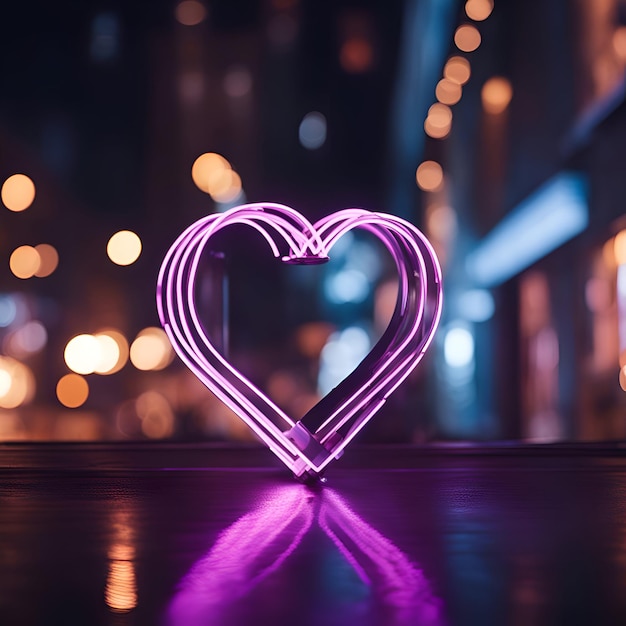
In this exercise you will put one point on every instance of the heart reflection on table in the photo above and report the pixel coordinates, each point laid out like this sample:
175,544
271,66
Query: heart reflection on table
260,542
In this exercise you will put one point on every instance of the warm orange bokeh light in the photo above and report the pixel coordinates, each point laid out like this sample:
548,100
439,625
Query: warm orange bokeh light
151,350
226,187
25,262
439,121
496,95
17,383
72,391
124,247
619,248
467,38
106,364
457,69
207,169
190,12
429,176
436,131
448,91
619,43
478,10
440,114
48,260
608,253
18,192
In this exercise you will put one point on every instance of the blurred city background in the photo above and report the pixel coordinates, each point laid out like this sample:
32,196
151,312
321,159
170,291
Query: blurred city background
498,128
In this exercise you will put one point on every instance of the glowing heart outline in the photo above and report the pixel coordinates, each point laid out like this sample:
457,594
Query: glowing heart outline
310,444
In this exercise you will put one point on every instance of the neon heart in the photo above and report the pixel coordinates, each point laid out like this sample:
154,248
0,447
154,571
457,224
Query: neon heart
306,446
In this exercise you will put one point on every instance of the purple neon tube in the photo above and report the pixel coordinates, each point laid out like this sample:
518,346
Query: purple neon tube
309,445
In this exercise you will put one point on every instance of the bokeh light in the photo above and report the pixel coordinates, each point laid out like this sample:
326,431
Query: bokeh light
440,114
151,350
124,247
237,82
341,355
18,192
496,95
476,305
48,260
347,285
457,69
619,43
17,383
24,262
619,248
107,365
82,354
5,382
441,222
190,12
448,91
467,38
478,10
434,131
72,391
622,378
439,121
608,253
598,294
458,347
26,340
226,186
8,310
356,55
109,354
311,338
312,130
207,170
429,176
156,415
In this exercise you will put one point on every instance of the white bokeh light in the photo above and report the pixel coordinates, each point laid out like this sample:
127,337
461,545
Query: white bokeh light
458,347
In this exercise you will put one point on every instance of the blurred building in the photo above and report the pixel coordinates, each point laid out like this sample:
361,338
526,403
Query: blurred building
533,170
495,126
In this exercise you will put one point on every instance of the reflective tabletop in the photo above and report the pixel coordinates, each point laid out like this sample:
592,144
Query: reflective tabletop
187,535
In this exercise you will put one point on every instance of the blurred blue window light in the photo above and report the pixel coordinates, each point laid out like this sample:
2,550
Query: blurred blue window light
476,305
8,310
548,218
342,353
105,31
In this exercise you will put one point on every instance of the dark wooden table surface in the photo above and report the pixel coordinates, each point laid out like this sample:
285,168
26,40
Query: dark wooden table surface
184,535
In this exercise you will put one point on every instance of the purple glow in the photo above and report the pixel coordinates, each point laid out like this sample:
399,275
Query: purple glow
243,555
258,543
309,445
380,564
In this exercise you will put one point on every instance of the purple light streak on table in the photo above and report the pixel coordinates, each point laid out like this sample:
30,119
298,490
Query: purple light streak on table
504,534
257,544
